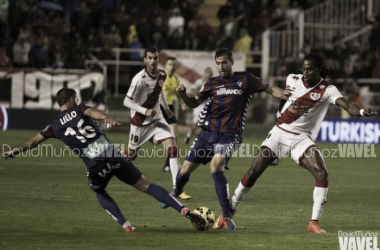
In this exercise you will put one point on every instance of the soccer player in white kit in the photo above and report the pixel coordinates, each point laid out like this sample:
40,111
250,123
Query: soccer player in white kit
296,130
144,98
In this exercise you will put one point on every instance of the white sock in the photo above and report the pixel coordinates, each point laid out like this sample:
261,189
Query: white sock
319,197
174,168
238,196
126,224
188,135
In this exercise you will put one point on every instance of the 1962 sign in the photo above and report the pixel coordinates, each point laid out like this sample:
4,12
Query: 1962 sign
37,89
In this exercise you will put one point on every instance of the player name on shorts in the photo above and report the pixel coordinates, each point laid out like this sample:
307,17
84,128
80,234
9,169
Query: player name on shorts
358,240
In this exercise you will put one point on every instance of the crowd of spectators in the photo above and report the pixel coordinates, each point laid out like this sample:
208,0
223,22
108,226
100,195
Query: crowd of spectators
61,33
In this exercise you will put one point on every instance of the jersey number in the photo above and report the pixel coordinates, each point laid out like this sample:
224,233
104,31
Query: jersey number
86,131
134,138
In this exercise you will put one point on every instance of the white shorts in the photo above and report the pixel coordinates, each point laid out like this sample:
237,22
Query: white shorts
284,143
197,111
158,129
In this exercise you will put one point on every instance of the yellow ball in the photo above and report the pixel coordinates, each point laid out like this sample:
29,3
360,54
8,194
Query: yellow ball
206,214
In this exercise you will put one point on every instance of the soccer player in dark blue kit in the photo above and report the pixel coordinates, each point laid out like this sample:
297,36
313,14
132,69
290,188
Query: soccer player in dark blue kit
77,129
222,122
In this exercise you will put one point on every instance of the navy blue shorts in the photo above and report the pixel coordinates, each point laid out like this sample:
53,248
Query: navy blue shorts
209,143
100,174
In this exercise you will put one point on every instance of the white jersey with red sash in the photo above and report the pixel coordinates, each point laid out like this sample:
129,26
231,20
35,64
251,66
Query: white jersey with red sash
306,107
145,90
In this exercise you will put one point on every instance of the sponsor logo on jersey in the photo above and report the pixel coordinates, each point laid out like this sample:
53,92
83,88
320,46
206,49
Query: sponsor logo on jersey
96,148
315,96
224,91
298,108
322,86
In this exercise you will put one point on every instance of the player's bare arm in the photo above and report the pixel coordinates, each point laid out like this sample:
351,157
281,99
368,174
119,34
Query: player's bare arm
353,109
278,92
183,104
165,105
100,115
169,113
31,143
191,101
150,112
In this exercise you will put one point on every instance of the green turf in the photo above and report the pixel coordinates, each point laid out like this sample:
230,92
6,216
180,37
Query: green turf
45,203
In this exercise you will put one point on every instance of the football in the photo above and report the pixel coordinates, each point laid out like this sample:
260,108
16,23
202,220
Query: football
207,214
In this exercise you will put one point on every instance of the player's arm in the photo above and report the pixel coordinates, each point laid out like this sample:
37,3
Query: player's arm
191,101
181,102
165,105
135,91
129,103
31,143
278,92
353,109
179,98
101,115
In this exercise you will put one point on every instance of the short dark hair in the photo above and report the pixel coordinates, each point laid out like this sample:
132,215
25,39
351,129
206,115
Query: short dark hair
151,49
64,95
171,58
224,51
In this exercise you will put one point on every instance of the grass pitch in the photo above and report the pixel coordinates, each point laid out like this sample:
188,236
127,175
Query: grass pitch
45,203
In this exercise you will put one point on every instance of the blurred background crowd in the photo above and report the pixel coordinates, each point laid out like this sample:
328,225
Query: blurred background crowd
61,33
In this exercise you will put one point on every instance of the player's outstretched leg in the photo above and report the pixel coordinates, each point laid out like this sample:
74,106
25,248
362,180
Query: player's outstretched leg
162,195
178,189
113,209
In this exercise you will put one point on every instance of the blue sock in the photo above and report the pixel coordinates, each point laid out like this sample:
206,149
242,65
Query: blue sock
162,195
110,206
181,181
221,188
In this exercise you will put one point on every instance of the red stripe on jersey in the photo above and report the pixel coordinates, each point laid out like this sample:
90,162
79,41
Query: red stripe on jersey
138,119
288,131
302,104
